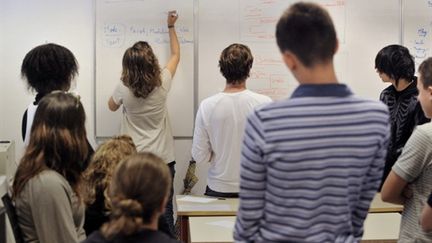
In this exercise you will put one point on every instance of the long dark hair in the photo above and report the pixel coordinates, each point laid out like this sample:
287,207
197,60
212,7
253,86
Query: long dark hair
141,71
57,141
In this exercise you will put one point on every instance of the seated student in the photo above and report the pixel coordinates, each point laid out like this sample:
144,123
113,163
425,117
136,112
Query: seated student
426,216
311,164
220,123
139,190
46,189
47,68
97,177
395,65
412,171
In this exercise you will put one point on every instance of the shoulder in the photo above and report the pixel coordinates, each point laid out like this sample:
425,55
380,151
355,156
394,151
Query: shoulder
49,182
157,236
424,131
95,237
166,74
259,97
210,101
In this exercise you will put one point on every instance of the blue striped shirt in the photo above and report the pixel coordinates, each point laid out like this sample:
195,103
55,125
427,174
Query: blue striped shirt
310,166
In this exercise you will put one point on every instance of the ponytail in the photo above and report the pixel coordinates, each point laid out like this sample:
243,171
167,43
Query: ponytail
126,218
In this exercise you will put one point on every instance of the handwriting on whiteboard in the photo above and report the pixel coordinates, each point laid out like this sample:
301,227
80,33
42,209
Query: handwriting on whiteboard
115,35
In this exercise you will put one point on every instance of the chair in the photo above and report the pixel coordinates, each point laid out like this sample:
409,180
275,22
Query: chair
13,218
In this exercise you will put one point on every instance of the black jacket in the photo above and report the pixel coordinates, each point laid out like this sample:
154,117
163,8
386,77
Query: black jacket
405,114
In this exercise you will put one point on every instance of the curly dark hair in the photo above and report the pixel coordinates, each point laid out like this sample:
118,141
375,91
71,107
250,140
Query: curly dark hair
49,67
235,63
397,62
141,71
307,30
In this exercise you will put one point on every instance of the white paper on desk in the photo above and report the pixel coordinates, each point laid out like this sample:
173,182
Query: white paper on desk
223,223
207,207
197,199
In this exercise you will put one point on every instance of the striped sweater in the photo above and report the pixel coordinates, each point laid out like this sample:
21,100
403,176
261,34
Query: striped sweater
310,166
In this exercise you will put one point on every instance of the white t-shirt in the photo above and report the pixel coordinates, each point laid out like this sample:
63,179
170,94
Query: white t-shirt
146,120
218,135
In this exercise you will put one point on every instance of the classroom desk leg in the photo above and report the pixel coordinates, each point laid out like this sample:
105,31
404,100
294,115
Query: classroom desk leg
184,229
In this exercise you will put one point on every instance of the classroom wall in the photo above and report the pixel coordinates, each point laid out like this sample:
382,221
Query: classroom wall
25,24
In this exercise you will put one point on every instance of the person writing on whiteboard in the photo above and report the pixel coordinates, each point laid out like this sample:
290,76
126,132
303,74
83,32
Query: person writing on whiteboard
220,123
143,93
395,65
311,164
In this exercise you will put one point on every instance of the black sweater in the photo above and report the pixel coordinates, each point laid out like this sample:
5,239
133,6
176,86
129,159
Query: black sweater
405,114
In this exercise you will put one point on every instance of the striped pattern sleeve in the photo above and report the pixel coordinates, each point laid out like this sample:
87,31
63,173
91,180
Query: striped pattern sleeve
370,185
252,181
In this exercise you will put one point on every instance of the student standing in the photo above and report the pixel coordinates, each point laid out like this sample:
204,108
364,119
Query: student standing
220,123
47,68
311,164
395,65
47,183
143,93
410,181
135,214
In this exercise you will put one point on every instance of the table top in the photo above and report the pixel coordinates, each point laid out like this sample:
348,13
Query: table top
378,227
206,206
378,206
196,205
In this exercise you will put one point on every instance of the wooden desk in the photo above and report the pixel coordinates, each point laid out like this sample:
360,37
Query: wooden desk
226,207
378,206
379,228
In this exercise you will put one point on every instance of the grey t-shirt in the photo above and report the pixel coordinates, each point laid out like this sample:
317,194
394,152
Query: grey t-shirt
414,166
49,211
146,120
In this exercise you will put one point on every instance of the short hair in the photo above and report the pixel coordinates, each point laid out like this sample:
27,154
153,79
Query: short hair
306,30
397,62
58,141
425,71
139,186
49,67
235,63
141,71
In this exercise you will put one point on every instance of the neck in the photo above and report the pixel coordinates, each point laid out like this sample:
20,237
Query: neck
153,225
402,84
233,88
318,74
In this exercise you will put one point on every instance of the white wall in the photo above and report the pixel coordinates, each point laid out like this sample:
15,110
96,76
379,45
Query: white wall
25,24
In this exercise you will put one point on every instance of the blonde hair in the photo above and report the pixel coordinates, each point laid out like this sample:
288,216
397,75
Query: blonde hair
139,188
141,71
99,173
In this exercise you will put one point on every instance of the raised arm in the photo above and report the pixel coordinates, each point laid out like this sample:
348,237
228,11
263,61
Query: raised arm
174,44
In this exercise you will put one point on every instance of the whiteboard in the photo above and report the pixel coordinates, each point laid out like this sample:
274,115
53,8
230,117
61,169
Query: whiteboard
119,24
417,20
363,28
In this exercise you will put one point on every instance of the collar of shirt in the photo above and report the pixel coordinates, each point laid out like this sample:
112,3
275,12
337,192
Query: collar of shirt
321,90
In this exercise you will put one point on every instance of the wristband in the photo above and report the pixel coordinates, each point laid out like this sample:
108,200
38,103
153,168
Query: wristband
170,26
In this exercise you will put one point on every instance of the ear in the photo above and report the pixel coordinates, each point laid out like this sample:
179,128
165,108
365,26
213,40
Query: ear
290,60
429,91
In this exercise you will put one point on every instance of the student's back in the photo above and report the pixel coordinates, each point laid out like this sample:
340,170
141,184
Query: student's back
310,164
322,160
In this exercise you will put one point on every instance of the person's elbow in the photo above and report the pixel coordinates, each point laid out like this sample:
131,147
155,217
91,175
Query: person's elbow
200,156
112,105
426,219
